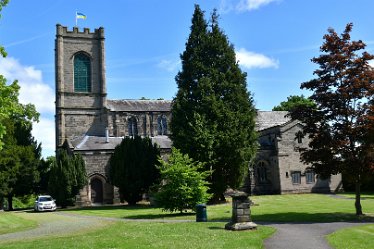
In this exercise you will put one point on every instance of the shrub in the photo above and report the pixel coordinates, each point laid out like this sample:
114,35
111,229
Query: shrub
183,184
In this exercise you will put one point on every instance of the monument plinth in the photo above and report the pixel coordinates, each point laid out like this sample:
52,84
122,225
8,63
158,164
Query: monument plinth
241,213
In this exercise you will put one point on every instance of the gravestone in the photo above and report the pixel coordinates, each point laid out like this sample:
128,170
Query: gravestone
241,213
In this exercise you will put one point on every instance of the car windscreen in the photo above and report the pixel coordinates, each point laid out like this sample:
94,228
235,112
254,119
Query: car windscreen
45,199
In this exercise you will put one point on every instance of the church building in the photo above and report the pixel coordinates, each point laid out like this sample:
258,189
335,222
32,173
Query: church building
92,125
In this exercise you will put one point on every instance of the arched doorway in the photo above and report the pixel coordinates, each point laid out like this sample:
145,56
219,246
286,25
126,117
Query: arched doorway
96,190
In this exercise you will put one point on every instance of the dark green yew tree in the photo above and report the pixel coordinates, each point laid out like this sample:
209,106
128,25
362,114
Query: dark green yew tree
19,160
341,127
66,177
213,112
133,167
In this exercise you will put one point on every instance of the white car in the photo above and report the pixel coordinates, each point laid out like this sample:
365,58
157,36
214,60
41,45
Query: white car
45,203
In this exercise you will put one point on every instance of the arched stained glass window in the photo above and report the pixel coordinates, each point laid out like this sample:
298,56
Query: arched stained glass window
162,125
82,73
133,127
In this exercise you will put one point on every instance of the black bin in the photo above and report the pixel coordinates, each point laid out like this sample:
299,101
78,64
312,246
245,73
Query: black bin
201,213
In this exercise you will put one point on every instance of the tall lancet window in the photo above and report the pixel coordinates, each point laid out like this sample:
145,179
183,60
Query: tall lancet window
133,127
82,73
162,125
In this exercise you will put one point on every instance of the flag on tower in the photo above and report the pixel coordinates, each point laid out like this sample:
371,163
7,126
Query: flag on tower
80,16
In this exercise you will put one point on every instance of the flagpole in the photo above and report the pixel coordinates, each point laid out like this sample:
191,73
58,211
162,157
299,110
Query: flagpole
76,20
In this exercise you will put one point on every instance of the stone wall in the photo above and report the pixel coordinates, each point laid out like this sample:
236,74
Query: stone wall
279,152
97,166
147,123
290,163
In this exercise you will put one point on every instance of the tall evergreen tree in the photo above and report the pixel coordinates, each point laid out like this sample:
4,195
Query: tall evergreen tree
213,113
66,177
19,160
133,167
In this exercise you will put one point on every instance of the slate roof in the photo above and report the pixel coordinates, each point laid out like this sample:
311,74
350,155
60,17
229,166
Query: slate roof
267,119
132,105
89,143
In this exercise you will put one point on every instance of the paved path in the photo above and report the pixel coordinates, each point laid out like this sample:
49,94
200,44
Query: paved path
303,235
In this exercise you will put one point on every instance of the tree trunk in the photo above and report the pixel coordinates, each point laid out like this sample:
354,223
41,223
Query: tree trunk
358,198
222,198
1,203
10,203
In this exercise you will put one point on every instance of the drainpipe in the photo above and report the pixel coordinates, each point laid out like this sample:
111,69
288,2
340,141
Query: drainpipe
106,135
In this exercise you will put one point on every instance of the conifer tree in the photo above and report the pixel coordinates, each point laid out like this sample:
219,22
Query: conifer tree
213,113
133,167
67,177
19,160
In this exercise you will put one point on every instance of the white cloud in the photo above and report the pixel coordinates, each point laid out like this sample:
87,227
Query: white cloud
44,132
35,91
250,60
248,5
169,65
242,5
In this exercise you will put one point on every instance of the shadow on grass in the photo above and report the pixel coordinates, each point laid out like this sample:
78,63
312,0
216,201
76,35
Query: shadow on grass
217,228
110,207
153,212
187,216
301,218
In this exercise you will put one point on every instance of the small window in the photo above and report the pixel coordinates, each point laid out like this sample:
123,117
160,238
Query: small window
296,177
162,125
133,127
299,137
261,172
310,176
82,73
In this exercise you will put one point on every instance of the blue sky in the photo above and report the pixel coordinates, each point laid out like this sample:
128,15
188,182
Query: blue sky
274,41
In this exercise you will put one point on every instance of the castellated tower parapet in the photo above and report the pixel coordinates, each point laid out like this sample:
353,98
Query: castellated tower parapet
63,31
80,83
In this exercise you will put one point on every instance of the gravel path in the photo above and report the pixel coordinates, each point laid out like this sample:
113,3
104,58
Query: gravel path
53,224
61,223
303,235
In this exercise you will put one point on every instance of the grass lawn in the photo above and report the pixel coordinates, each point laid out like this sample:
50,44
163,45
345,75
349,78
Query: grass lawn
154,235
310,207
287,208
358,237
11,222
137,234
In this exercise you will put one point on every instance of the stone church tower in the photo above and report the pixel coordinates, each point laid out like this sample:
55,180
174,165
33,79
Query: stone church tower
80,83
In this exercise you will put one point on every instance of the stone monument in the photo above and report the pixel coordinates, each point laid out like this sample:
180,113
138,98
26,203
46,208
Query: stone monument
241,213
